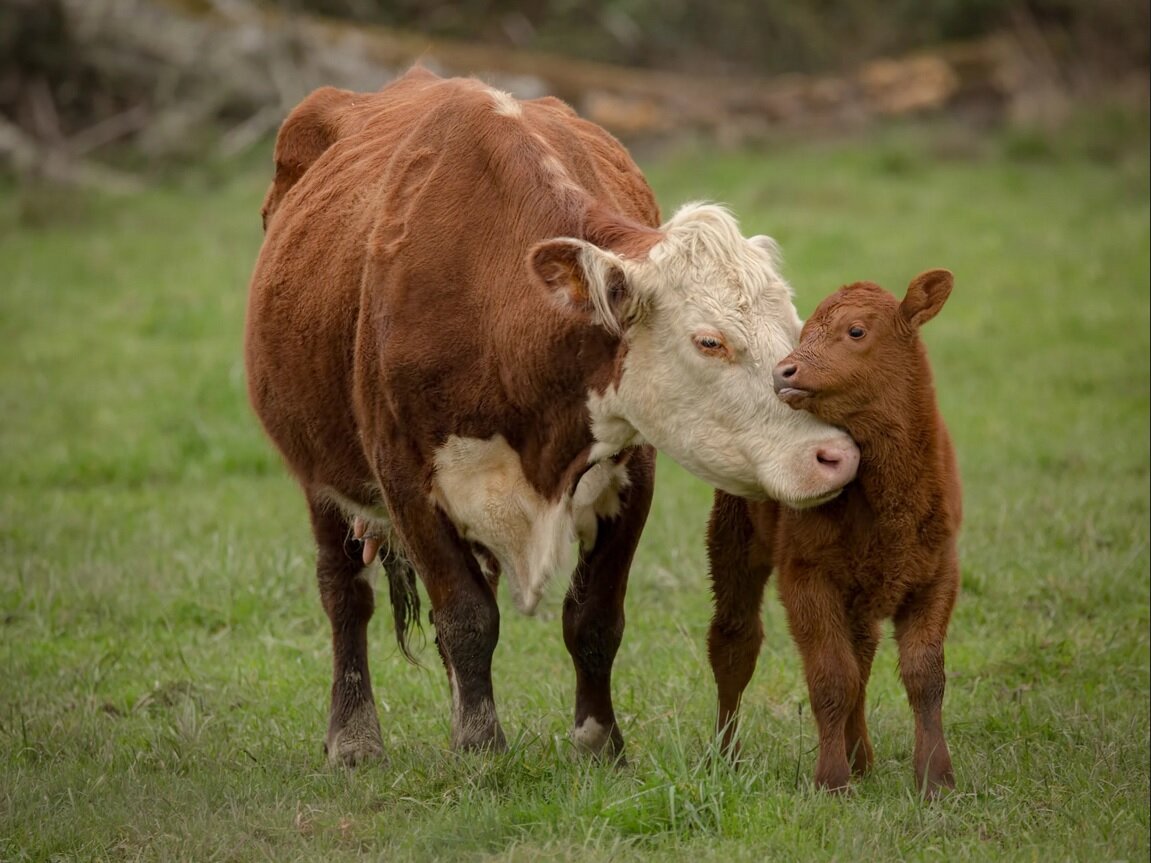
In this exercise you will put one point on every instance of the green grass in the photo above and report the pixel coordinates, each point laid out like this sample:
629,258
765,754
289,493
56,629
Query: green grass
164,661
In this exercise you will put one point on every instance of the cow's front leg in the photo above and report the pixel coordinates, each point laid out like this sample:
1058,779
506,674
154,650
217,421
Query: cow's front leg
353,727
739,558
593,612
464,611
467,623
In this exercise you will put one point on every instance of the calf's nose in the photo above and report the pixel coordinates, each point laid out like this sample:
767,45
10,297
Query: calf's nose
782,374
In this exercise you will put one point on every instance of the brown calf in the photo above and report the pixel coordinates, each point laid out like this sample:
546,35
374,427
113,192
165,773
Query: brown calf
885,548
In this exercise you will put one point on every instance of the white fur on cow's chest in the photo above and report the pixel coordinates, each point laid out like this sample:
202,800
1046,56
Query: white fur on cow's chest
481,486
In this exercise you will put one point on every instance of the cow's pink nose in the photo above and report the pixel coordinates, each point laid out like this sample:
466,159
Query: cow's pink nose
838,462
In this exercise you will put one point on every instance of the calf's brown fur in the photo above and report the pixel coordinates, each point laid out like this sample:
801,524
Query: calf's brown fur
885,548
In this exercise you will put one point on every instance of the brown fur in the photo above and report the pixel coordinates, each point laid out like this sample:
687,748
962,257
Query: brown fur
393,306
885,548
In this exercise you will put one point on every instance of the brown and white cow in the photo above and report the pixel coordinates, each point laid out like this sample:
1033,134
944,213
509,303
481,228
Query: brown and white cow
885,548
466,332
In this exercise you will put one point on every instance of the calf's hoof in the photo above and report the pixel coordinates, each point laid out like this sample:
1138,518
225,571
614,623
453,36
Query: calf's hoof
938,786
837,781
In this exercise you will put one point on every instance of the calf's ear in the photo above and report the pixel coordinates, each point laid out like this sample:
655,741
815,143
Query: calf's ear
925,296
586,279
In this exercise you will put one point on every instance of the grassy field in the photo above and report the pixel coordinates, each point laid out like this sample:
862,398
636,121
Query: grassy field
164,660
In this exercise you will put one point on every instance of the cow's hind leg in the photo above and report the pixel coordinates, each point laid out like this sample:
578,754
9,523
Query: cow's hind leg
739,556
353,727
593,612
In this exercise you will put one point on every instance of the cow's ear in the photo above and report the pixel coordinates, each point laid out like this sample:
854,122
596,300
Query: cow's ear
587,279
925,297
766,244
311,127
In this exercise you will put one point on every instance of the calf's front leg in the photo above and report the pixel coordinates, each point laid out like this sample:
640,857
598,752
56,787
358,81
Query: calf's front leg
920,629
818,623
739,542
856,739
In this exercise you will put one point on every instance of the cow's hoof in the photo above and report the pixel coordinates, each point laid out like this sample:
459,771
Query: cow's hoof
346,751
601,742
357,741
490,739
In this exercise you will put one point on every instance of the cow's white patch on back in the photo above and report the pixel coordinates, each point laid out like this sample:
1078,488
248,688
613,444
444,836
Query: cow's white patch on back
506,104
561,180
481,486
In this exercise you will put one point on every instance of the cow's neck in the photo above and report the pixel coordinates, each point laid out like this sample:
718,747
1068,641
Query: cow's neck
558,374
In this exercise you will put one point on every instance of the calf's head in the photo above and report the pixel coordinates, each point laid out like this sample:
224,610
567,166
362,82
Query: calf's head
859,354
705,315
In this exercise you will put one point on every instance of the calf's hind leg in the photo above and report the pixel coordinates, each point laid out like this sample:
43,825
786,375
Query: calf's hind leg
353,726
739,542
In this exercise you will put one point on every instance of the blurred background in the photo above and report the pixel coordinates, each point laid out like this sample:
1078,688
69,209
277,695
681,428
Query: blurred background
98,92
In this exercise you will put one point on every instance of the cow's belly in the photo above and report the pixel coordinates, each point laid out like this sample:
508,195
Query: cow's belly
481,486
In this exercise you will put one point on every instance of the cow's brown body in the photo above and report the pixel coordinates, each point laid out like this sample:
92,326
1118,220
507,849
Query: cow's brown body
885,548
465,327
359,333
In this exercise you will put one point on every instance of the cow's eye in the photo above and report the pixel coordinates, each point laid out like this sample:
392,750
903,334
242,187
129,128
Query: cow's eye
856,331
711,344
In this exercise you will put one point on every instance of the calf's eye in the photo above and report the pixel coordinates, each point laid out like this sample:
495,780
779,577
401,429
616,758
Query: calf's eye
856,331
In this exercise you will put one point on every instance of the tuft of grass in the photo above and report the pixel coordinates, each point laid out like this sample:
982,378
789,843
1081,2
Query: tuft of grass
165,659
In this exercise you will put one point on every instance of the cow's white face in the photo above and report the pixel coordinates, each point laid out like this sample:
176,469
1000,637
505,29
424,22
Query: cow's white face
706,317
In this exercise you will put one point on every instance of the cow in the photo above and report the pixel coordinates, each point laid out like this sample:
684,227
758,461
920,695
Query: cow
467,332
884,548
